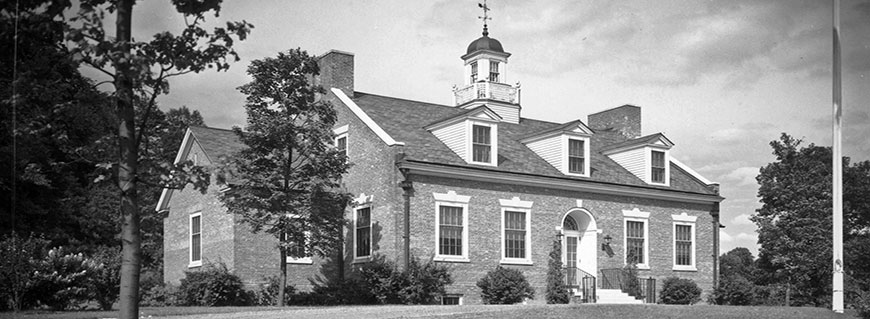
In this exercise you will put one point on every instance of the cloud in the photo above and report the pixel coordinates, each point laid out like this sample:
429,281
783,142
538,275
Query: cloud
724,237
743,176
747,237
742,219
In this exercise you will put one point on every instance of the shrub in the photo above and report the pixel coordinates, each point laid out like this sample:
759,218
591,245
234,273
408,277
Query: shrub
18,268
62,278
267,294
162,295
214,285
350,291
680,291
104,281
504,286
733,290
557,292
383,280
425,282
862,304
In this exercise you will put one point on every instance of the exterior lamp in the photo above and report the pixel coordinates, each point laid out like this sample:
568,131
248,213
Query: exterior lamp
606,245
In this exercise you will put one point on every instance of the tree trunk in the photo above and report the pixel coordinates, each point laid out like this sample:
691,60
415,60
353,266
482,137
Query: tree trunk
787,294
131,240
283,282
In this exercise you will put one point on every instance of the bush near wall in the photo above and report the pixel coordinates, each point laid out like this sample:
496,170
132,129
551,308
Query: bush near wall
214,285
505,286
680,291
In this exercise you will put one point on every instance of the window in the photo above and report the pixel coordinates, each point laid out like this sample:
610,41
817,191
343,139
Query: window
363,232
481,144
515,234
493,71
657,175
576,157
516,231
451,300
636,236
195,240
473,72
341,139
635,241
296,253
451,227
684,242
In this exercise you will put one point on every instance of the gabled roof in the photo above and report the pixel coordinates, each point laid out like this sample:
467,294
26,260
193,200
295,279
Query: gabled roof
652,139
215,143
564,128
481,112
406,121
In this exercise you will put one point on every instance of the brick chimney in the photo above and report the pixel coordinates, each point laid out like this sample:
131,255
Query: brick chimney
336,71
623,122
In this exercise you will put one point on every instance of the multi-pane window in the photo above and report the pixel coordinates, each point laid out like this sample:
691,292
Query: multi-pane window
450,227
514,234
473,72
363,232
683,245
493,71
576,160
634,241
450,300
658,167
195,239
341,144
481,144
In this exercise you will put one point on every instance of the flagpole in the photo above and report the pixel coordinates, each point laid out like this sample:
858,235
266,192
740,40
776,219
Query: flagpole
837,300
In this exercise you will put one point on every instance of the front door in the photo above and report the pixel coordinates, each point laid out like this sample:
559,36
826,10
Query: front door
571,257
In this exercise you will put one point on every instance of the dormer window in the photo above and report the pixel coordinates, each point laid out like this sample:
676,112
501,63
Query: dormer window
576,156
493,71
481,144
657,167
473,72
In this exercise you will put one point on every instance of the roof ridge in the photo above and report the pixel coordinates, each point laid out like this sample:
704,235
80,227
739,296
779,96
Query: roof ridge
212,128
403,99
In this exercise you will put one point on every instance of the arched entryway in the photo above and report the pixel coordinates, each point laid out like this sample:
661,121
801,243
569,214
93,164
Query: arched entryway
579,240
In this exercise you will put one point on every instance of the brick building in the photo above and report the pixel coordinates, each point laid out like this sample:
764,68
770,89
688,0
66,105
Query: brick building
475,185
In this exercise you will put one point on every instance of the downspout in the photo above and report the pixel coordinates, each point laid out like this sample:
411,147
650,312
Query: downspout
716,226
408,190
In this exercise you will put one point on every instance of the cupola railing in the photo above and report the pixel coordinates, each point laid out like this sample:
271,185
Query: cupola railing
487,90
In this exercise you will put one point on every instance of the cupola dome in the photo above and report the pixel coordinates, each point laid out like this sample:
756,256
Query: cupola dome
485,43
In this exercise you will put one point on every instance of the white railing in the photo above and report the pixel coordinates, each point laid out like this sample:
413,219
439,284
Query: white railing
487,90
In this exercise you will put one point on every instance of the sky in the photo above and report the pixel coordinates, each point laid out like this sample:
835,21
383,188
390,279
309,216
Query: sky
721,79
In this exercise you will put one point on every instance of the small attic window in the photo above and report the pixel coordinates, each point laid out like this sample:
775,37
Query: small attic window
473,72
657,168
576,157
481,144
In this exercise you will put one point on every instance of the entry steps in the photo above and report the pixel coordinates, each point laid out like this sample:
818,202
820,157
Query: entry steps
615,296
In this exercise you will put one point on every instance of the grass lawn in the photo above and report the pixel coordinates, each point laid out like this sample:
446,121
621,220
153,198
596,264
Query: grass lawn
477,311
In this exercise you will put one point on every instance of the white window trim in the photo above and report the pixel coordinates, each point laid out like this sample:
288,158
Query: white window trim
637,216
566,159
454,200
667,177
493,140
191,262
684,219
517,205
341,132
362,202
300,260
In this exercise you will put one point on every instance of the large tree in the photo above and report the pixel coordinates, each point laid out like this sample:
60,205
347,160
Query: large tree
144,68
285,180
795,220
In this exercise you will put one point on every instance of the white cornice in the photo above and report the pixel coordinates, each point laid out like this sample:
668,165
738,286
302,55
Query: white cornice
477,174
186,144
365,118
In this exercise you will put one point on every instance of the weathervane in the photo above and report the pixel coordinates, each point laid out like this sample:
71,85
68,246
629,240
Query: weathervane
484,17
